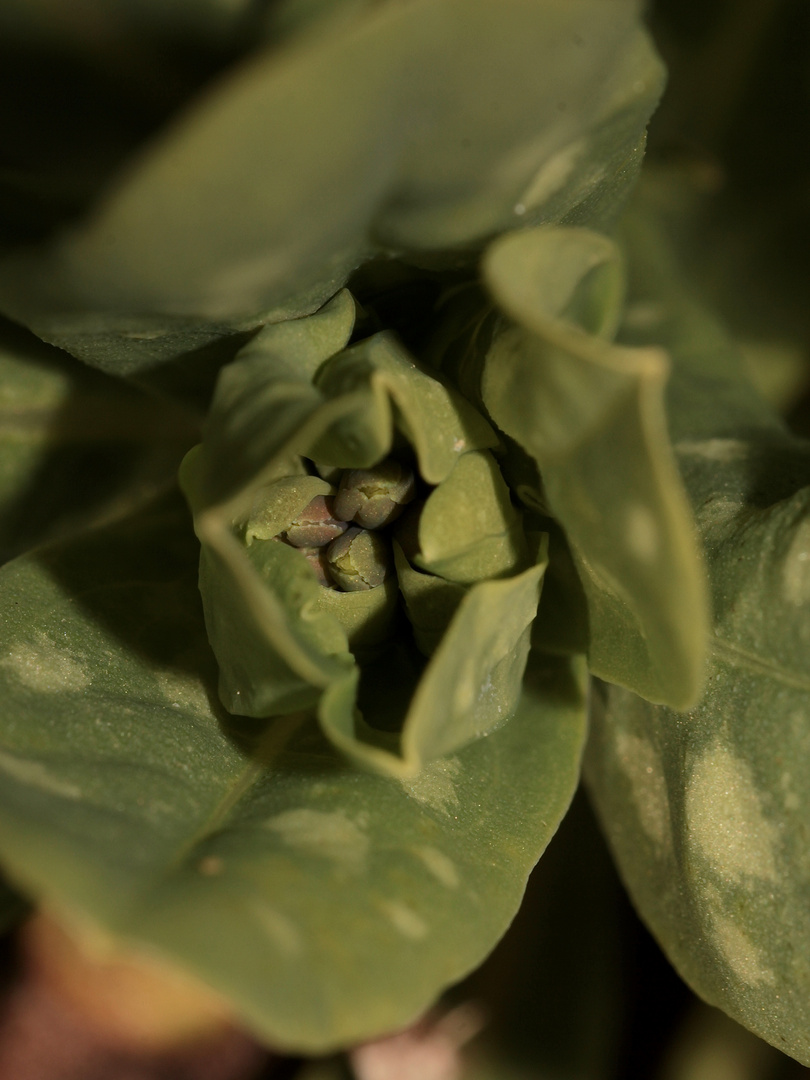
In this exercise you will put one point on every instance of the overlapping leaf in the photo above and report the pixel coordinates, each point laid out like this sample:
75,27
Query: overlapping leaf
383,135
591,415
326,905
281,642
708,810
75,447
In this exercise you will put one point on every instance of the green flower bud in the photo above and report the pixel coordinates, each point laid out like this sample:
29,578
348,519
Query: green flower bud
375,497
315,526
358,560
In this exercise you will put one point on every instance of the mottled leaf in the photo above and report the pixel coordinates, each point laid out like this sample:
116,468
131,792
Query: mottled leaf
417,129
708,811
326,905
591,414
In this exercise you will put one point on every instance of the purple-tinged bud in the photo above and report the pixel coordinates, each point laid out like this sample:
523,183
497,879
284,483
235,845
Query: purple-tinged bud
316,557
316,525
375,497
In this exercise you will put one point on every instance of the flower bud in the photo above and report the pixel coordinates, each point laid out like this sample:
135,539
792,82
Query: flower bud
316,557
358,560
315,525
375,497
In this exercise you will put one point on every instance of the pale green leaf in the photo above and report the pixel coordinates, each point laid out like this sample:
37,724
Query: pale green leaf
438,422
367,616
264,402
276,646
326,905
278,504
591,415
472,683
470,686
469,530
418,129
431,602
708,811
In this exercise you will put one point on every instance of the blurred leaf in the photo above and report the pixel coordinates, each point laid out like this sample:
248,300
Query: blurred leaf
13,906
421,128
326,905
75,447
708,810
591,414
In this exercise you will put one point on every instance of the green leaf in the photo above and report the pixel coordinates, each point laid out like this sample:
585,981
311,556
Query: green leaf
276,646
264,403
437,421
708,811
431,602
75,447
470,687
591,415
469,530
326,905
260,199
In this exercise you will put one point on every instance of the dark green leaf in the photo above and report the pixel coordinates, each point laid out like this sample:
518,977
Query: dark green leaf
327,905
416,129
708,811
75,447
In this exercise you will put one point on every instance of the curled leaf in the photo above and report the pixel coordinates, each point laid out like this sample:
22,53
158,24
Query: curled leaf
591,415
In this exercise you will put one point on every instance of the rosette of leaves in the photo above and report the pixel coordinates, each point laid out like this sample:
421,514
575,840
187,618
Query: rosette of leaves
325,874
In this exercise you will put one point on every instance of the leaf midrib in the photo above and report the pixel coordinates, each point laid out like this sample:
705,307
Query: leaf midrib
737,656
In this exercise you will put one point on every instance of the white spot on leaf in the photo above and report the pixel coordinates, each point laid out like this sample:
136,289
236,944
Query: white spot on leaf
722,450
796,567
740,953
642,533
552,175
434,786
35,774
440,865
404,919
281,931
184,691
641,766
46,667
333,836
724,818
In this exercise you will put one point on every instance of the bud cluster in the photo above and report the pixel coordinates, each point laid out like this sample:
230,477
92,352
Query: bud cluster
340,534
